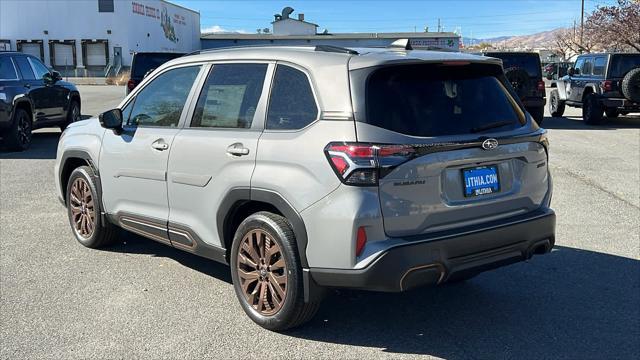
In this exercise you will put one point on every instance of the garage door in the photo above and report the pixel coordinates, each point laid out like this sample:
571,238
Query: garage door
31,49
96,55
63,55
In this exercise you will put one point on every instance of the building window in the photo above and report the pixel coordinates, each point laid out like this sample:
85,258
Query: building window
105,6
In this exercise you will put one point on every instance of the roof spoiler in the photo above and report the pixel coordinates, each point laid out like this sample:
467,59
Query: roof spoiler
401,44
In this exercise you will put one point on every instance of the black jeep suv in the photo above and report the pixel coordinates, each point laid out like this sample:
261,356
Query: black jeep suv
601,84
524,72
32,96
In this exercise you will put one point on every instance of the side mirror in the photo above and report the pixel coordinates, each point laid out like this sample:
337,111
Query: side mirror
111,119
52,77
570,71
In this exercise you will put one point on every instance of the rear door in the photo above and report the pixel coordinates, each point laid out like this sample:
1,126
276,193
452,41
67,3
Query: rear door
133,164
216,150
431,121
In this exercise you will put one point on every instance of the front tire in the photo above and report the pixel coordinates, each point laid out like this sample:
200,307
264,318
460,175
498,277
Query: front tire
556,106
592,110
18,136
267,275
83,210
73,114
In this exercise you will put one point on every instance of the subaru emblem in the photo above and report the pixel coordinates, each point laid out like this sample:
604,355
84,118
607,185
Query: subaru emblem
490,144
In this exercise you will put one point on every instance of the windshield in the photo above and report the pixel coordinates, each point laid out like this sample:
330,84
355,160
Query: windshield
621,64
144,62
529,62
435,100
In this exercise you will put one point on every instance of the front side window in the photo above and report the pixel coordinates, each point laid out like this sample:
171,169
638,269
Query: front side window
160,103
25,68
292,105
578,65
39,67
230,96
586,67
7,71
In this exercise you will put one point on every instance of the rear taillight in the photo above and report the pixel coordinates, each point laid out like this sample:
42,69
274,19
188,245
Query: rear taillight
363,164
540,85
607,85
131,84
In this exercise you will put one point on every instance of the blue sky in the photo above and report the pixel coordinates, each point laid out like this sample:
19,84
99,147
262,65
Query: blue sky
477,18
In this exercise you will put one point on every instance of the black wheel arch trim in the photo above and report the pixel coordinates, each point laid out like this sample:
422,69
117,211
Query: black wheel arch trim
238,196
80,154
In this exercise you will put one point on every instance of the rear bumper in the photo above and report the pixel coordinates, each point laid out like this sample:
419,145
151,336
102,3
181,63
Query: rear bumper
620,104
534,102
436,260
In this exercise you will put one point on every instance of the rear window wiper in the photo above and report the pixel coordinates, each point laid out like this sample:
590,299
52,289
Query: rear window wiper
490,126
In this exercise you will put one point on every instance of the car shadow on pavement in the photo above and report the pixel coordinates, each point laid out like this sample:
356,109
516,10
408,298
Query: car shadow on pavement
571,303
130,243
576,123
44,144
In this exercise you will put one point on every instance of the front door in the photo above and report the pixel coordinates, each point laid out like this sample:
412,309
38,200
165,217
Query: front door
216,150
56,94
133,164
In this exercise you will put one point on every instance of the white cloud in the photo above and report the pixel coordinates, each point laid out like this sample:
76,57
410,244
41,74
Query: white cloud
219,29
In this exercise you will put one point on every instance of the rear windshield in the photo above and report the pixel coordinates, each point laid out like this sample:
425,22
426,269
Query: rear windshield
529,62
436,100
144,62
621,64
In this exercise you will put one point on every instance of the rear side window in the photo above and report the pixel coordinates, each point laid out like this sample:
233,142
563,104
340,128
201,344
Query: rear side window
436,100
25,68
598,65
160,103
528,62
230,96
622,63
292,105
7,71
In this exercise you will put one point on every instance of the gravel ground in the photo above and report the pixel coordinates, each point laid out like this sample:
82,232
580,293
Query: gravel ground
140,299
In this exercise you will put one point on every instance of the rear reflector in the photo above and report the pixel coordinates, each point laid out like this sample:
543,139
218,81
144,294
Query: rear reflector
361,240
131,84
541,85
607,85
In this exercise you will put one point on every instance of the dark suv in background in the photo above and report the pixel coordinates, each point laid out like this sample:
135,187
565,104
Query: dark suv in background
524,72
601,84
31,97
144,62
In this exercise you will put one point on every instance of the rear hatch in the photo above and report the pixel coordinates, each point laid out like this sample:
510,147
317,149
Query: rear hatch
524,72
451,145
619,66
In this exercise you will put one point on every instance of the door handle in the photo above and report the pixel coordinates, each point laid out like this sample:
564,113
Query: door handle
160,145
237,149
27,86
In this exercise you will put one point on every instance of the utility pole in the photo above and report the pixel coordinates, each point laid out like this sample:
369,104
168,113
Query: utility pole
582,25
438,24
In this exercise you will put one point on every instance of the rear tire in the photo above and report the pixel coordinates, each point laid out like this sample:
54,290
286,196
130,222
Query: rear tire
84,211
538,114
612,113
631,85
556,106
18,136
592,110
267,275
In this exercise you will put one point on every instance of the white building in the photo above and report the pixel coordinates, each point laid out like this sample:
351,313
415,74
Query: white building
285,25
89,37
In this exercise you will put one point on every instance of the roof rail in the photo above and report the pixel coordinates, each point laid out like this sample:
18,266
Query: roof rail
402,44
335,49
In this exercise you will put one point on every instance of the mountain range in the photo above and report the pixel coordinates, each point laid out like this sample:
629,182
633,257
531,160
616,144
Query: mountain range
544,39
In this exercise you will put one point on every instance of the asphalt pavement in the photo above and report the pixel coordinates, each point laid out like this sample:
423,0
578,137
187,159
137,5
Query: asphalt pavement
141,299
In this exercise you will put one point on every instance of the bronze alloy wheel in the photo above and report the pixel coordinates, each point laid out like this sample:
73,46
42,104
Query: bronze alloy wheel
263,272
83,211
